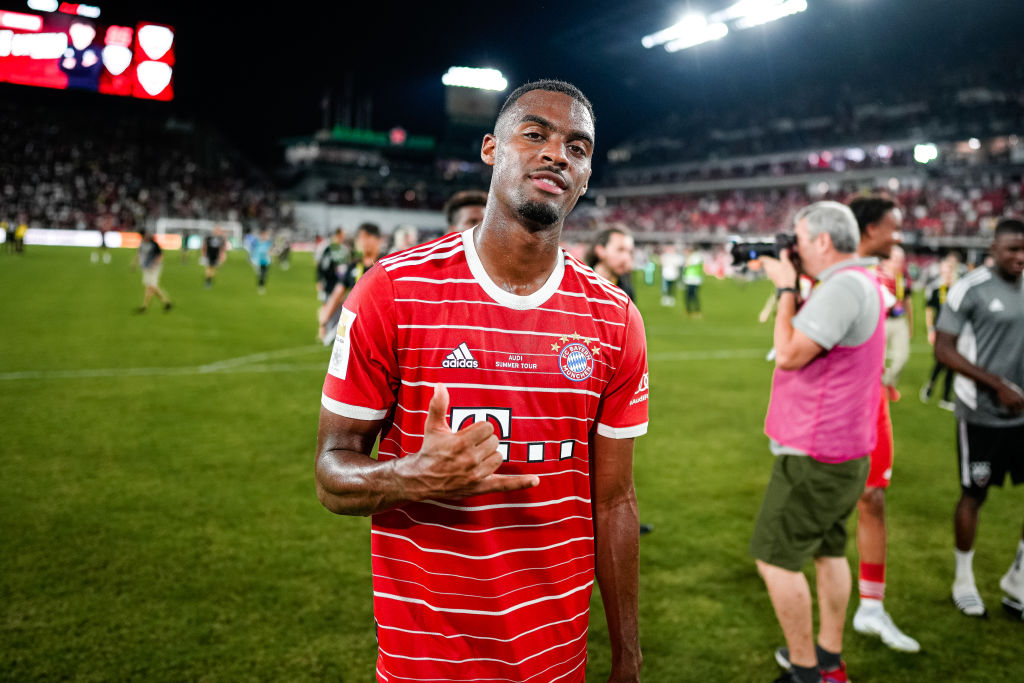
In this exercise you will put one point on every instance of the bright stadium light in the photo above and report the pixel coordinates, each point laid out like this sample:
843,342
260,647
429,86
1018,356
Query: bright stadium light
772,10
44,5
974,143
925,153
743,8
482,79
693,29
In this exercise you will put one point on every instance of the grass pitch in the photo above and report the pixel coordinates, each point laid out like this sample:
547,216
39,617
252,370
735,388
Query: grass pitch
159,519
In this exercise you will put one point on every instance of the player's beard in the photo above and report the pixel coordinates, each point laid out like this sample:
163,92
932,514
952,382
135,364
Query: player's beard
536,212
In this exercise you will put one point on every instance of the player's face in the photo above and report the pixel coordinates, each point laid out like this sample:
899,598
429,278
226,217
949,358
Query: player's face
885,234
541,155
617,255
1008,254
467,217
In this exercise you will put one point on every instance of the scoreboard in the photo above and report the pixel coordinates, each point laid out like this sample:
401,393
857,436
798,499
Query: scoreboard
68,48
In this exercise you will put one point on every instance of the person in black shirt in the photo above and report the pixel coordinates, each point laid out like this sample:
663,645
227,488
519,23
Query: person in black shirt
368,246
214,252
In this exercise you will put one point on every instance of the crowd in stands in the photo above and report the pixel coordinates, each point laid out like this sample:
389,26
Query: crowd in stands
951,205
83,168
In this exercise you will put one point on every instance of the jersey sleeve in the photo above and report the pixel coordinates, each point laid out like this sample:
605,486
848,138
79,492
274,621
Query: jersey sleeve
623,410
832,310
956,311
362,378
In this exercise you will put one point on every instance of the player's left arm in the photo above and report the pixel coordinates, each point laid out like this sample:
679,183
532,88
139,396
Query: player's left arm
617,549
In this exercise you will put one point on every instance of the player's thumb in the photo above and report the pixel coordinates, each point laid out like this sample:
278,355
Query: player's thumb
437,412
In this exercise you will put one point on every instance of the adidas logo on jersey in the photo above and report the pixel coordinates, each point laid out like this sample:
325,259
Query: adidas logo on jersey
996,306
460,357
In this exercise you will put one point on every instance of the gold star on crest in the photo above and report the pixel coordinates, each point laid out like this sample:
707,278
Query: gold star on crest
576,336
596,350
554,347
564,339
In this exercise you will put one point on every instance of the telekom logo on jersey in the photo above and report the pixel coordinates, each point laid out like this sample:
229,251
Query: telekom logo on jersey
502,418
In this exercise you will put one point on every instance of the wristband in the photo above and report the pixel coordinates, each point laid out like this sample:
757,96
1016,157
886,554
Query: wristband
779,291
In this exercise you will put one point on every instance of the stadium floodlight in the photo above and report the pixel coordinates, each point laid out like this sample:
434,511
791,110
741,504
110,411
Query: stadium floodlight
21,22
691,30
43,5
974,143
772,10
925,152
481,79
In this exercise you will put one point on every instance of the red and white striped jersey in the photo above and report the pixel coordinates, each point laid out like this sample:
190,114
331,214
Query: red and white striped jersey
493,587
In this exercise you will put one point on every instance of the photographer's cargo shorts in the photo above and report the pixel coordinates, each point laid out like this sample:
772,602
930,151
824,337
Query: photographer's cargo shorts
805,509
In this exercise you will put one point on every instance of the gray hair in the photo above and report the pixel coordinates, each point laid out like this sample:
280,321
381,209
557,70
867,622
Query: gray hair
834,218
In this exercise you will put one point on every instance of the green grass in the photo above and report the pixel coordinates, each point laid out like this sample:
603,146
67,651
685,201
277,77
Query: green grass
163,525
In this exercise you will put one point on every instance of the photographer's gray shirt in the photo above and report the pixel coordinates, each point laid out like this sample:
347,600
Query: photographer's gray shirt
843,310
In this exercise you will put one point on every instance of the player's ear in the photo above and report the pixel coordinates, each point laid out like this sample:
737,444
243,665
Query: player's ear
487,148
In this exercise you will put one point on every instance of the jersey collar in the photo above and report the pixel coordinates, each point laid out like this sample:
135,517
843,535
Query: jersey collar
507,299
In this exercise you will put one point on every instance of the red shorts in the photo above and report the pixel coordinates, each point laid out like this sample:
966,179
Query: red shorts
881,457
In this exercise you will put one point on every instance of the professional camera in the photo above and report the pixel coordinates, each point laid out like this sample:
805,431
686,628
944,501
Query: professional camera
744,252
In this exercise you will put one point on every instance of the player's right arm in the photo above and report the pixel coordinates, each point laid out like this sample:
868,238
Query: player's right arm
448,465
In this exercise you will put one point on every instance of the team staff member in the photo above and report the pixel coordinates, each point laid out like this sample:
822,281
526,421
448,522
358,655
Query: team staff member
507,382
821,423
611,257
880,222
980,336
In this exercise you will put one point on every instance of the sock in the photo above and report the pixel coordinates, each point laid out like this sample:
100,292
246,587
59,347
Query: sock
872,581
828,660
807,674
964,570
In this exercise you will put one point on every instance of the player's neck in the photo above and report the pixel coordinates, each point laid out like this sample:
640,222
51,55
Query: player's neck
517,259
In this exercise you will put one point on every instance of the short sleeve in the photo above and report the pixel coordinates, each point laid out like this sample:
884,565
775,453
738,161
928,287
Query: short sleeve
623,410
832,310
957,310
362,377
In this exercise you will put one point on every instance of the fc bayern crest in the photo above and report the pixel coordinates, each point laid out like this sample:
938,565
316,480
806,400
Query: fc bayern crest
576,361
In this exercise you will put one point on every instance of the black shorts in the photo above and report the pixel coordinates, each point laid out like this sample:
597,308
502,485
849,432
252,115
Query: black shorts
213,257
986,454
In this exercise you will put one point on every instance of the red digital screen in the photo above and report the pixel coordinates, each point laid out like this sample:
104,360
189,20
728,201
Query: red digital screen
58,50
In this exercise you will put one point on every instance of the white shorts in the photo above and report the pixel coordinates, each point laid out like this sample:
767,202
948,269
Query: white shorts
151,275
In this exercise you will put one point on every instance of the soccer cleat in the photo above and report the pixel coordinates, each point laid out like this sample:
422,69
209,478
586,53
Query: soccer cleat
1013,585
646,529
1013,608
878,623
968,600
926,393
787,677
782,657
836,675
947,405
168,306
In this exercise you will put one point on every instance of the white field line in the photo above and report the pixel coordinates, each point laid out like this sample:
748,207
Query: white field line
248,363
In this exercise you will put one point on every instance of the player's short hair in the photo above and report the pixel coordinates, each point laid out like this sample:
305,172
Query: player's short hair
1009,226
601,239
551,85
870,210
834,218
463,199
371,229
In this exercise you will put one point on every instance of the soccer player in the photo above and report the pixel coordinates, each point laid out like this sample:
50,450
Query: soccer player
980,336
150,257
368,246
693,278
465,209
899,321
879,221
671,264
507,382
935,296
214,252
260,256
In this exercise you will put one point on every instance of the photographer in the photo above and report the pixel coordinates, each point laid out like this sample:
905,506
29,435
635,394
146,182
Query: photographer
822,424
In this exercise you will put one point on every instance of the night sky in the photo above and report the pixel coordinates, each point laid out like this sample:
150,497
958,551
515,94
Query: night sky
262,75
